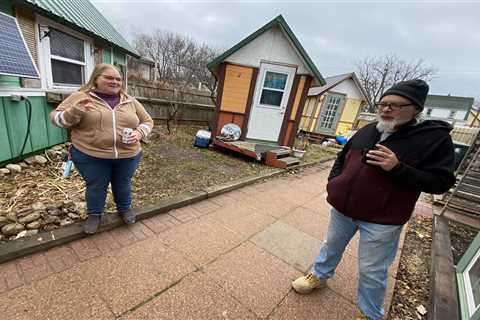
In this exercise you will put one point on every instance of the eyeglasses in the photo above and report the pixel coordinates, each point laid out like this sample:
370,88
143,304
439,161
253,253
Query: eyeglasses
110,78
392,105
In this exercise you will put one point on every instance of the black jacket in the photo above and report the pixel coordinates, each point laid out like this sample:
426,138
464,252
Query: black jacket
369,193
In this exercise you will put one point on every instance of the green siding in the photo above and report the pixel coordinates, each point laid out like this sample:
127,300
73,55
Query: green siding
107,55
13,128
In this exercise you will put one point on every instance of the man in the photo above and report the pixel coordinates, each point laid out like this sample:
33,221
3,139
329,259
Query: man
373,186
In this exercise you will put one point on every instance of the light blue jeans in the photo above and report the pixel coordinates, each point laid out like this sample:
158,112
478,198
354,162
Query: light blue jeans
377,249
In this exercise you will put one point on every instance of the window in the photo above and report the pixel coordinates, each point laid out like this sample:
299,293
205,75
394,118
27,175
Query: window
327,120
67,59
468,277
451,114
273,88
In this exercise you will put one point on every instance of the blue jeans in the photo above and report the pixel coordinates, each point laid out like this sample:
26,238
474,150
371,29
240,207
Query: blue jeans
99,173
377,249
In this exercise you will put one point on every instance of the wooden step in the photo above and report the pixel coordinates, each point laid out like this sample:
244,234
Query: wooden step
290,161
282,153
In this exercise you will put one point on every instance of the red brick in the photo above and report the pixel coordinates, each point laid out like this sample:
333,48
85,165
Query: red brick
123,236
85,249
34,267
61,258
10,276
184,214
105,242
155,226
205,207
140,231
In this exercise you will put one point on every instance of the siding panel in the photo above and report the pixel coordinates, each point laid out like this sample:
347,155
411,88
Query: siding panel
236,88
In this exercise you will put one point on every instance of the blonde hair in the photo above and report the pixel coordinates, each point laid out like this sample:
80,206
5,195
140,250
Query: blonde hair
99,69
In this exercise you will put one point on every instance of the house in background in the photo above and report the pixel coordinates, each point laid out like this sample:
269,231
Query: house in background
141,69
263,84
454,110
65,39
332,109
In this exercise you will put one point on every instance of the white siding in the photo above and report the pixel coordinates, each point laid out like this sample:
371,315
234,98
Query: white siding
271,46
440,113
349,88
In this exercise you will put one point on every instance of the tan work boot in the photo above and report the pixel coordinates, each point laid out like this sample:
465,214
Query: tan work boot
361,316
308,282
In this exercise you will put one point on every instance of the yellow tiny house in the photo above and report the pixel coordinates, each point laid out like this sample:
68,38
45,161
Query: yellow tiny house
333,108
263,83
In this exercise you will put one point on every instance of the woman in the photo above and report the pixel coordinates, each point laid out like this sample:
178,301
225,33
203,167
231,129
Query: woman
102,150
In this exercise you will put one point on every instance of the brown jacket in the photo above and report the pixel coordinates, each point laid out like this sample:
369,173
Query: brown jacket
98,132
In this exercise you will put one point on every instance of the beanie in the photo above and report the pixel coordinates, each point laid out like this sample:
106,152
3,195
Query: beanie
414,90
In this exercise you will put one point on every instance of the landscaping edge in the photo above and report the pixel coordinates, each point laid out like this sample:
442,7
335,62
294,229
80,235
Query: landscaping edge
48,239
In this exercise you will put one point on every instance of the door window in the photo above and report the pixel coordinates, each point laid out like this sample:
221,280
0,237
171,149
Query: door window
328,118
273,89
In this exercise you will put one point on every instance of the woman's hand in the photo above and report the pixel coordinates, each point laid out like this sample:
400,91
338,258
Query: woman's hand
86,104
134,137
382,157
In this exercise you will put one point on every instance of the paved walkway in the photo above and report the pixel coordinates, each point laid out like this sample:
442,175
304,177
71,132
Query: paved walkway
229,257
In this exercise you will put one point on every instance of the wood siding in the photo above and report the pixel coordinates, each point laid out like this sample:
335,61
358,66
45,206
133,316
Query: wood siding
298,96
236,89
26,21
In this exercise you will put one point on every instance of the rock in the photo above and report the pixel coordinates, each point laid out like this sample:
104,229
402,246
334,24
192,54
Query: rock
12,229
73,216
4,171
57,148
26,233
81,207
23,212
4,221
30,160
40,160
52,219
3,212
422,310
14,167
50,227
55,212
23,164
34,225
30,218
39,206
2,237
12,215
66,222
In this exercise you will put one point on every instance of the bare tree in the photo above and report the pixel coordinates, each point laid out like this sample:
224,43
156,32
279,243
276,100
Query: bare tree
377,74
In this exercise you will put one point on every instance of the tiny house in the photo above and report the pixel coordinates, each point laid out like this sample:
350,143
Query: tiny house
263,83
332,109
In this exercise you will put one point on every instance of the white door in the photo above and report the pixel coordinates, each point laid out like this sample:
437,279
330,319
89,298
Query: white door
270,102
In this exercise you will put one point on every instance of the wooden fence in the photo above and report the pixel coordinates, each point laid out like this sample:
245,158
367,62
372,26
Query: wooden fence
193,106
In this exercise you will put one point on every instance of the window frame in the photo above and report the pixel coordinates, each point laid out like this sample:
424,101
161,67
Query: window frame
471,256
45,56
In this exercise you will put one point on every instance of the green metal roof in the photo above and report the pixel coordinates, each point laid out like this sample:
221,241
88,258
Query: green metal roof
449,102
280,22
80,15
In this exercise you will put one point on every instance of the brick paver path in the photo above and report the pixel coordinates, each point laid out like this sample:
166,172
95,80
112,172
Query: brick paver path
229,257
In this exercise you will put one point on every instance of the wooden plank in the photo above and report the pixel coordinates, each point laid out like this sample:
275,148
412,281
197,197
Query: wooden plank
443,289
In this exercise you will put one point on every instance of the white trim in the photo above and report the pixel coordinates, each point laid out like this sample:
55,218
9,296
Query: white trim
7,92
60,58
468,288
26,47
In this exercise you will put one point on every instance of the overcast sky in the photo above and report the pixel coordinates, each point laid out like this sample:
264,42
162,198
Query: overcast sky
336,34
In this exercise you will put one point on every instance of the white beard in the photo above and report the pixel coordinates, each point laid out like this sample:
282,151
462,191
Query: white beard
389,125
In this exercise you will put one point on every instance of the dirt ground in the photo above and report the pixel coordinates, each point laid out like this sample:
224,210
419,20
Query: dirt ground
411,293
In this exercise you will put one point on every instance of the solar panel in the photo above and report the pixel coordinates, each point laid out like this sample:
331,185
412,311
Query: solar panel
15,59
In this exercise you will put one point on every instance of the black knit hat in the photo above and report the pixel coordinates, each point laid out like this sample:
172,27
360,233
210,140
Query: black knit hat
414,90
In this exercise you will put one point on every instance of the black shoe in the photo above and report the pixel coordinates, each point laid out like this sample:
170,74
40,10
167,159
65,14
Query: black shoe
90,226
128,216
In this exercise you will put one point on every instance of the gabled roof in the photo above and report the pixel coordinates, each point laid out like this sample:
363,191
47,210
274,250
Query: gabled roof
335,80
449,102
280,22
82,16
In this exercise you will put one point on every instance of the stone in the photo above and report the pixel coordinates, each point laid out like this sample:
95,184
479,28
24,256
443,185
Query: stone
34,225
73,216
52,219
66,222
12,215
14,167
3,212
81,207
12,229
39,206
30,160
40,159
55,212
50,227
4,221
30,218
2,237
26,233
5,171
23,164
57,148
24,212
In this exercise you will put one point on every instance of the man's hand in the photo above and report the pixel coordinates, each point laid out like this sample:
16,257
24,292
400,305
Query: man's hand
382,157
